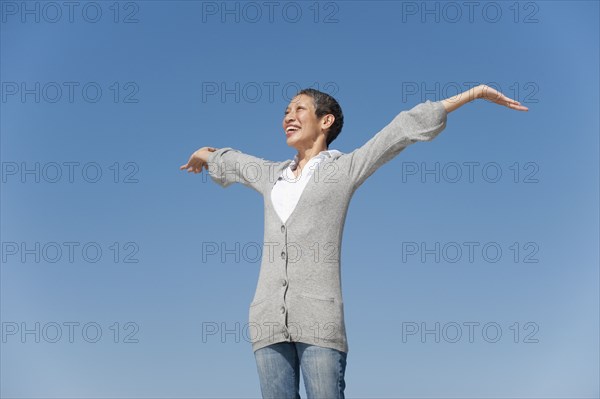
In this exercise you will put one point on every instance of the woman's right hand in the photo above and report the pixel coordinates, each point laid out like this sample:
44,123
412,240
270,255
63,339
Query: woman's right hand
198,160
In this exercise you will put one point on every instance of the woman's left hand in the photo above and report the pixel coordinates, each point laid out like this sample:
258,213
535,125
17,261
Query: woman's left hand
489,93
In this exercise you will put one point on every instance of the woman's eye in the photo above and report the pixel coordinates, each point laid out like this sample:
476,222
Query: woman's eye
287,112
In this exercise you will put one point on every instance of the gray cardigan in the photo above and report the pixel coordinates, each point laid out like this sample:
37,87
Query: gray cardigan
298,296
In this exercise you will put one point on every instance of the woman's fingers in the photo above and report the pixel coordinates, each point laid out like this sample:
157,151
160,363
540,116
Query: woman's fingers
494,95
518,107
512,104
194,164
187,165
196,167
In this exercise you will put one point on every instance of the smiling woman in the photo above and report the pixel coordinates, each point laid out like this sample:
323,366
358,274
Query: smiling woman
311,122
297,314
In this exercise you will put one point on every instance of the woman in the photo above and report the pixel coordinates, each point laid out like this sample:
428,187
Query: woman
297,314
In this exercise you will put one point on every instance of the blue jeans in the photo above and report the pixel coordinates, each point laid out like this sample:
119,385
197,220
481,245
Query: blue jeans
279,371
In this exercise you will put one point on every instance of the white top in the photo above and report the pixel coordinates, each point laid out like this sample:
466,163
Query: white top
288,188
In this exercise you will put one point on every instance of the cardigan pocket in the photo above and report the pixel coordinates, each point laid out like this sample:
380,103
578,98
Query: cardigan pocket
318,297
318,318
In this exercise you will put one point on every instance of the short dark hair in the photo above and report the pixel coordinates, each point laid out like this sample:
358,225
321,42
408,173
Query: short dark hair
326,104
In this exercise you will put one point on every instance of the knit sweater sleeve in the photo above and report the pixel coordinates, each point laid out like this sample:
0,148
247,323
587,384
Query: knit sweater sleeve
423,122
228,165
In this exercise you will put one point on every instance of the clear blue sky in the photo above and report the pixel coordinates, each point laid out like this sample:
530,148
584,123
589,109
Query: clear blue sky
101,104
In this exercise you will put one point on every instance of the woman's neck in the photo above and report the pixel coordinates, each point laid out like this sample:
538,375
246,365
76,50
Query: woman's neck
306,155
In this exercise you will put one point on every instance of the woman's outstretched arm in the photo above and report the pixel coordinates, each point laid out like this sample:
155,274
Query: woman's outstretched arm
227,165
485,92
423,122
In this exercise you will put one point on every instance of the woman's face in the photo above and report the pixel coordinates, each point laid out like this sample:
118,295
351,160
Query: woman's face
300,123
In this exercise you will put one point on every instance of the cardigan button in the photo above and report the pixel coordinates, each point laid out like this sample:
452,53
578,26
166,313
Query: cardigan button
284,282
285,333
283,228
282,309
283,255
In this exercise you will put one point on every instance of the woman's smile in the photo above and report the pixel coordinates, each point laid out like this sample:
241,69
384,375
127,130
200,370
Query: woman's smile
291,131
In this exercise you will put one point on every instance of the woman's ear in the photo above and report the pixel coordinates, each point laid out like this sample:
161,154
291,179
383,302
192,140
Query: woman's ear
329,119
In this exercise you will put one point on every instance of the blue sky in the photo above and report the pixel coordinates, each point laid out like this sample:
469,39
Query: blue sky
104,239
